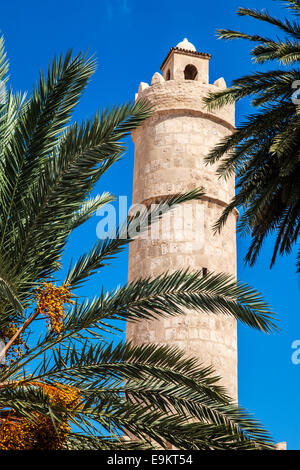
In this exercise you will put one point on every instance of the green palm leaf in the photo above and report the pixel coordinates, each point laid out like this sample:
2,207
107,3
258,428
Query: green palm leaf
264,151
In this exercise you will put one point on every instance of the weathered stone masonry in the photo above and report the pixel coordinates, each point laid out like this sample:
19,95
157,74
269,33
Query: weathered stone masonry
169,158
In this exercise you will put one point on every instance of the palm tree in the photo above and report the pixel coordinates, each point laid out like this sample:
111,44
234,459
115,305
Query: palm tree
75,386
264,150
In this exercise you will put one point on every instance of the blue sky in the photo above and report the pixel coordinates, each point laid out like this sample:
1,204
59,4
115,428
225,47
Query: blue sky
130,39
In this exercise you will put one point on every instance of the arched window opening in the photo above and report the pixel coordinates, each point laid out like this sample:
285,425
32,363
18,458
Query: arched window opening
190,72
168,77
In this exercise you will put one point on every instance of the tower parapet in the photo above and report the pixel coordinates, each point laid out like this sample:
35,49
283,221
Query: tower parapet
170,148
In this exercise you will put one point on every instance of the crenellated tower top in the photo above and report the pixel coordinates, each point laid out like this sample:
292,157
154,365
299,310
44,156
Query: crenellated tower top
183,83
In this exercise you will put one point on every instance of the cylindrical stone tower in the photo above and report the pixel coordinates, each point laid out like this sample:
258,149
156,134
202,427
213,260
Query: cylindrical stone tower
169,159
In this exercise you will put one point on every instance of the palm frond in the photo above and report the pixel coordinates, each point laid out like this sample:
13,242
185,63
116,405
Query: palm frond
129,397
137,388
289,27
264,151
172,294
7,292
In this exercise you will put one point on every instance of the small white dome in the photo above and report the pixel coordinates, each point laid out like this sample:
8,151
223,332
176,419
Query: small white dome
185,44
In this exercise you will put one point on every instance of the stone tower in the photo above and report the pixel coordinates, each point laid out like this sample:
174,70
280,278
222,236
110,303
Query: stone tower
169,158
